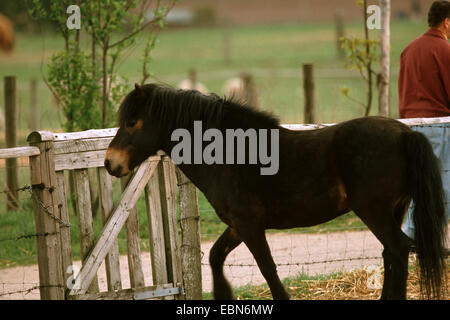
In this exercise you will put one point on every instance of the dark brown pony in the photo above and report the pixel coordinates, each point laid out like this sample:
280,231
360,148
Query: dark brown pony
6,34
374,166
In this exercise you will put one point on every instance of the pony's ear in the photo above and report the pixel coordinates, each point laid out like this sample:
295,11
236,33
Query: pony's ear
139,90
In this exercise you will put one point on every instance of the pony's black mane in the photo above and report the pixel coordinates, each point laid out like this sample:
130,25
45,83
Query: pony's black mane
179,108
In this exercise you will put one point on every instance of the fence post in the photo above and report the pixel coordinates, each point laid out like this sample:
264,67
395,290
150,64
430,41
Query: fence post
192,76
308,87
46,214
250,94
385,47
190,238
226,42
10,137
168,193
34,121
340,33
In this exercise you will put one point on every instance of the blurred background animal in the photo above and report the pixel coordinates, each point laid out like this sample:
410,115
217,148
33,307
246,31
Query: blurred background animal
242,89
6,34
191,83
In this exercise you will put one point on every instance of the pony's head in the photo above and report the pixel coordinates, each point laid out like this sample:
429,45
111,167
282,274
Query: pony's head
137,137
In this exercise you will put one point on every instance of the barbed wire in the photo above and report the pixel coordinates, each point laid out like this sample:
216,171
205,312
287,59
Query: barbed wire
44,207
30,190
27,236
12,199
27,291
303,263
23,292
6,191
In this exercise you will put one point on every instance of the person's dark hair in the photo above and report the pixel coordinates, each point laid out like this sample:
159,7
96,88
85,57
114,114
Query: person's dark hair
438,12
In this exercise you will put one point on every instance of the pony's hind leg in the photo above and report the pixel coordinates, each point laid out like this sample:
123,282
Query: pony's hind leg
396,250
221,248
395,271
395,277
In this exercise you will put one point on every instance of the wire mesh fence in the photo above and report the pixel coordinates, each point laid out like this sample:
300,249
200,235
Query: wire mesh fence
18,247
322,251
294,254
305,253
311,253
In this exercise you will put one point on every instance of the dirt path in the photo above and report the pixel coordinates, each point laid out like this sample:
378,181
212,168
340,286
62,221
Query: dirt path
293,253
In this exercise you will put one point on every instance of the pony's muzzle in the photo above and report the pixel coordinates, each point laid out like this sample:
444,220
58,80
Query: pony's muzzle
116,162
116,171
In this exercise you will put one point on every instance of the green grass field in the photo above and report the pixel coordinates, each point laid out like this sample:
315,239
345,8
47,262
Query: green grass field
274,54
266,51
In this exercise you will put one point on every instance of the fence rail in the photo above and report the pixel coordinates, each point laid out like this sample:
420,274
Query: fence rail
19,152
409,122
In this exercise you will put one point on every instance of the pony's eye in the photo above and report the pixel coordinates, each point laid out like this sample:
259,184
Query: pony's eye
132,123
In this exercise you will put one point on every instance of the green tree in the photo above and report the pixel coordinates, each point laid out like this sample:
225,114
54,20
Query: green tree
362,54
85,81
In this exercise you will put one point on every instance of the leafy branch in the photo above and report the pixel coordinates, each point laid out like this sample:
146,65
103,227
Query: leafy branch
361,55
85,81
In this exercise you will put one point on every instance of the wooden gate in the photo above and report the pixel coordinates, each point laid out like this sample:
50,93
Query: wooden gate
81,154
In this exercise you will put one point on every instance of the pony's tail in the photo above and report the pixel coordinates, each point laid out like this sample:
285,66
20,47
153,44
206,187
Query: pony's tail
429,218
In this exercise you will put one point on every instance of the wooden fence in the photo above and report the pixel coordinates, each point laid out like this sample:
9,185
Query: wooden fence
51,155
175,262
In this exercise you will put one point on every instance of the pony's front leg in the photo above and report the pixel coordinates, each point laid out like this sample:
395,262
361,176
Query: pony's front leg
221,248
256,241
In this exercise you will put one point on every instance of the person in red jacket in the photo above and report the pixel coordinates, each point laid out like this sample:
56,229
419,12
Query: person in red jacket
424,80
424,91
